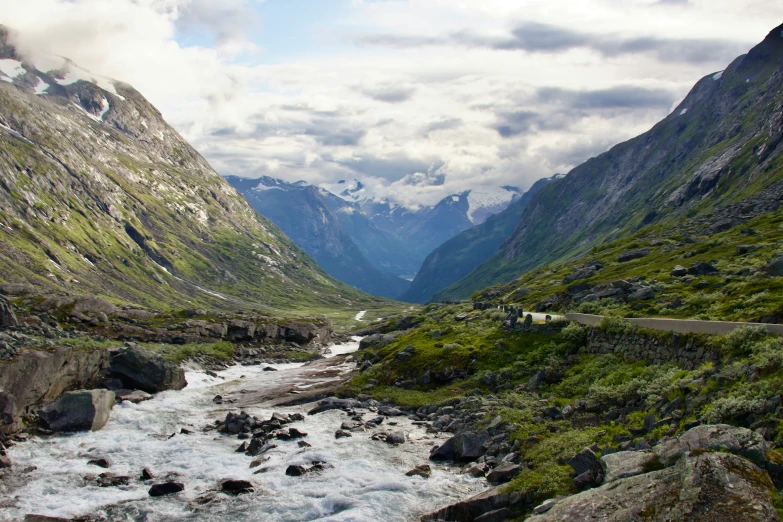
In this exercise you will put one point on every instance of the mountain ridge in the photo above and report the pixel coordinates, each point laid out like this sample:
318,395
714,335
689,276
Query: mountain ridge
101,196
722,143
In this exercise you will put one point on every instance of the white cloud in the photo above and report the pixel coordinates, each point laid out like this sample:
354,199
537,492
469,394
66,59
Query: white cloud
399,88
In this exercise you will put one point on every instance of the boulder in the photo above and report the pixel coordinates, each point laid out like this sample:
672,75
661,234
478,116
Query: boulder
624,464
702,268
642,294
714,437
142,369
679,271
7,315
586,460
236,487
462,447
78,411
775,266
708,487
166,488
503,473
633,254
378,340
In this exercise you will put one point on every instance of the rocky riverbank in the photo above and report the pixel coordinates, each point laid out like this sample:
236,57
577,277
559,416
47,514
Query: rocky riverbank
166,457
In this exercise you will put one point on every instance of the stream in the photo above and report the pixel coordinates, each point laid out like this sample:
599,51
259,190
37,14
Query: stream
366,483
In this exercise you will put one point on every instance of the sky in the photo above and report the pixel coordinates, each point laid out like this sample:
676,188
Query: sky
418,99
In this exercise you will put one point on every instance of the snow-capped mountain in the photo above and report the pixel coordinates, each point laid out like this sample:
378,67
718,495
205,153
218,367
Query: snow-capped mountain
394,239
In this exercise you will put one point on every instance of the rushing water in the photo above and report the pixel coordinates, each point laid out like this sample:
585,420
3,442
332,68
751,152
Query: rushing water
367,481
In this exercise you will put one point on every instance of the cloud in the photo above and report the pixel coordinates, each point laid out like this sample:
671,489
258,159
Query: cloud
389,93
226,22
458,99
536,37
444,124
619,97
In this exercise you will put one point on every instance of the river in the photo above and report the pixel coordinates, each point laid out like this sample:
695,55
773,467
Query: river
366,483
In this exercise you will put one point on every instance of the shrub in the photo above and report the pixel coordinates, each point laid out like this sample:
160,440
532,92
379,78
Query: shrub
740,340
617,325
574,334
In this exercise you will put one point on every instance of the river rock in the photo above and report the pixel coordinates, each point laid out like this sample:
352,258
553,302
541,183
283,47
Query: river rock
333,403
101,462
142,369
236,487
422,470
339,434
146,474
134,396
396,437
709,487
166,488
715,437
78,411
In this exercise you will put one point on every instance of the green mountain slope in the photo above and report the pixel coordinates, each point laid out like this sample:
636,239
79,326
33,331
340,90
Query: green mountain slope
459,255
722,144
98,195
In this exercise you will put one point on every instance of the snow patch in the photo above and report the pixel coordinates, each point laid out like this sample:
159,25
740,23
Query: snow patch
105,109
11,69
261,187
718,76
76,74
455,198
41,87
684,111
360,315
488,198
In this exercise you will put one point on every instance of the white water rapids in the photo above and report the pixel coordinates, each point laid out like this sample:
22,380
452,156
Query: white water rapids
367,482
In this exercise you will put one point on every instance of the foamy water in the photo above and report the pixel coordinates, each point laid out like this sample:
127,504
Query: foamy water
367,482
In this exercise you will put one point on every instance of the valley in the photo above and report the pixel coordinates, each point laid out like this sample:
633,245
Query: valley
176,344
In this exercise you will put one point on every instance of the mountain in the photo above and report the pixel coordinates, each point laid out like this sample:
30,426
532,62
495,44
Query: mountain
394,239
301,211
99,195
459,255
722,145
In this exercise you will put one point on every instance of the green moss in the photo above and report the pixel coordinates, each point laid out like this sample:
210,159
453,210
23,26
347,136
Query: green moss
221,351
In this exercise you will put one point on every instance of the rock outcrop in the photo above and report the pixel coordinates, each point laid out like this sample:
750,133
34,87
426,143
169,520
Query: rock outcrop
35,378
80,410
7,315
706,487
144,370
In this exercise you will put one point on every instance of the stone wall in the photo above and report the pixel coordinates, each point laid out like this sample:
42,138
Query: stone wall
652,349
